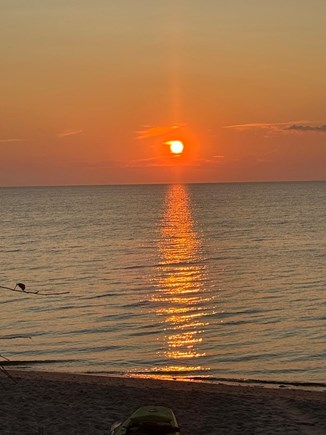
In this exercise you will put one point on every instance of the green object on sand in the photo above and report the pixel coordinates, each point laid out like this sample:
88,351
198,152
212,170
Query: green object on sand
149,420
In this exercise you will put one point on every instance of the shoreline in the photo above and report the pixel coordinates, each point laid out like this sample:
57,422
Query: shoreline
227,385
71,403
27,366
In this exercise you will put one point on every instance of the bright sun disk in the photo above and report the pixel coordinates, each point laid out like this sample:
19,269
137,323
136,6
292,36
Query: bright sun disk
176,146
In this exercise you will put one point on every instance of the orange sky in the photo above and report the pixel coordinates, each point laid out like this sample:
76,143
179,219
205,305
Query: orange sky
91,90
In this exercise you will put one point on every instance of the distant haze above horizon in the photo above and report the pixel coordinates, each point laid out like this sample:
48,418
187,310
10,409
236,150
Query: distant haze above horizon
94,92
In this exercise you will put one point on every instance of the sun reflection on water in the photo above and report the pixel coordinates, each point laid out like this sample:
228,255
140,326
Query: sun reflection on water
180,300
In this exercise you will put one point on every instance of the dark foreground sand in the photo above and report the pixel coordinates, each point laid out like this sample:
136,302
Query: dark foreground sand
57,403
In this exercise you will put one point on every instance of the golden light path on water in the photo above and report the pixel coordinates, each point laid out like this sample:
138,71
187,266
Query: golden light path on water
180,299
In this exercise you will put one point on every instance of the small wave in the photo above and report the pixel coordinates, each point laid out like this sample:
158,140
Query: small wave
100,296
34,362
136,266
182,376
135,305
170,371
260,382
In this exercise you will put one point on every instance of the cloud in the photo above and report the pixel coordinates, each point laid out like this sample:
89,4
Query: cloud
278,126
149,162
163,162
209,160
160,130
68,132
293,126
249,126
103,164
121,164
10,140
302,128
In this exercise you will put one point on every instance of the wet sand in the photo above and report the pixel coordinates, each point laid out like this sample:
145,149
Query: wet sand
64,403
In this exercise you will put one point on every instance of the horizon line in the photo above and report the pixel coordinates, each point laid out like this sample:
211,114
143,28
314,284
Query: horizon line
161,183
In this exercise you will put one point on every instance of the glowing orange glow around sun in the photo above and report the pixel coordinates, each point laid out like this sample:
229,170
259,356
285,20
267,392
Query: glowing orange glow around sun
176,146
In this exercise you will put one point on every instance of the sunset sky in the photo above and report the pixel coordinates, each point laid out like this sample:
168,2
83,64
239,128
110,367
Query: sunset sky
91,91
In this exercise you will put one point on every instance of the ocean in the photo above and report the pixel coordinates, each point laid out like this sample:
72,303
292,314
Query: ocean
200,281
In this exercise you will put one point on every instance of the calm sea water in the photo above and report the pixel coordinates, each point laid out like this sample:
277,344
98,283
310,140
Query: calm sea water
206,281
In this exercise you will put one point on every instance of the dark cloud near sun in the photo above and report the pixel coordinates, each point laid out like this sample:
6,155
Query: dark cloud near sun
303,128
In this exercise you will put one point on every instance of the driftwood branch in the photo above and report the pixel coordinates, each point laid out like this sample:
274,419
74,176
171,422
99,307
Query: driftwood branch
5,372
21,288
5,358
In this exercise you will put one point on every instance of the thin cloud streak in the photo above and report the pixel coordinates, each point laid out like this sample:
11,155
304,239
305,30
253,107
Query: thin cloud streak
124,164
153,162
279,126
162,162
68,132
160,130
293,126
11,140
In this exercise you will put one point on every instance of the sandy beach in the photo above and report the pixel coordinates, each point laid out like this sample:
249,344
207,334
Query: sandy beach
62,403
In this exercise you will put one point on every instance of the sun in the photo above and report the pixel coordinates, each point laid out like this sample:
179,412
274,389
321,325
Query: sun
176,146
